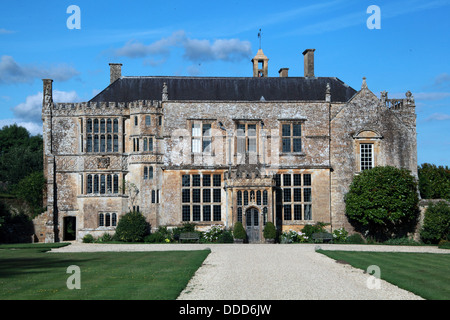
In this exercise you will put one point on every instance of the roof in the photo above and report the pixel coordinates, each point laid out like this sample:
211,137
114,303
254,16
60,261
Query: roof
127,89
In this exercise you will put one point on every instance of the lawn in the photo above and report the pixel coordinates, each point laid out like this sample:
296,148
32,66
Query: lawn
425,274
32,274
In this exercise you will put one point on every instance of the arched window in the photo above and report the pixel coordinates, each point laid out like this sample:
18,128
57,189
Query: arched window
109,126
145,173
239,199
150,172
89,184
116,126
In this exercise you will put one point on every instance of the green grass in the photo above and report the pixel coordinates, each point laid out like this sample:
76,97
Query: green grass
31,274
424,274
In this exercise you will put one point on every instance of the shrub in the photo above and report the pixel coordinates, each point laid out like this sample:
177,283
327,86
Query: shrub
225,237
436,224
239,231
434,181
106,237
308,230
270,232
186,227
340,235
444,244
292,236
88,238
402,241
132,227
383,201
355,238
213,234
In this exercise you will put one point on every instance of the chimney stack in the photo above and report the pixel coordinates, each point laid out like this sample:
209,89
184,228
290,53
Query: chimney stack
283,72
115,71
309,62
47,91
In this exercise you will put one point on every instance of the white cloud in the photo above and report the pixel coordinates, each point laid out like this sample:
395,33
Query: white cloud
438,117
5,31
194,49
28,113
12,72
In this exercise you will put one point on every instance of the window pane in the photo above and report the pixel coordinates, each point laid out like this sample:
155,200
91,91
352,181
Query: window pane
206,195
116,143
89,184
109,183
102,184
297,211
186,180
286,130
150,172
196,147
307,194
186,213
265,200
148,121
95,183
297,145
145,144
287,212
216,195
308,212
297,179
113,219
206,180
89,125
297,130
95,142
240,145
306,179
186,196
196,195
207,213
89,143
217,180
207,130
145,173
206,145
217,213
245,198
101,220
239,215
102,143
286,145
102,126
196,213
95,125
287,195
116,126
196,130
196,180
252,144
366,156
241,130
286,179
297,195
116,183
258,198
251,130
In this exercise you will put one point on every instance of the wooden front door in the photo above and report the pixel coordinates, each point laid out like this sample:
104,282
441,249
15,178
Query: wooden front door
252,223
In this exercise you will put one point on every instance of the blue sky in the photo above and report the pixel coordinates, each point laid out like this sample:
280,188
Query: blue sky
210,38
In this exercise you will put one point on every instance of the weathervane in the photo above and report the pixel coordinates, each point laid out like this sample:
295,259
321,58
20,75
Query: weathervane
259,36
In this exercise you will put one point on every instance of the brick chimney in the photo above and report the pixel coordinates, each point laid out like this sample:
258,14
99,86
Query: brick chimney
115,71
283,72
309,62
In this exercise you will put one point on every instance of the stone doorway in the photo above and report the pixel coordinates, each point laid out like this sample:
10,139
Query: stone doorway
252,224
70,227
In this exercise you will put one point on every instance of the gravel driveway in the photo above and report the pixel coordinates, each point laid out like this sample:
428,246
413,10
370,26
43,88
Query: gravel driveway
273,272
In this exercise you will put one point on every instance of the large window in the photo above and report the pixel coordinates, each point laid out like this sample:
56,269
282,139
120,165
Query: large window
201,137
201,197
102,184
245,198
246,138
107,219
102,135
296,196
366,153
291,137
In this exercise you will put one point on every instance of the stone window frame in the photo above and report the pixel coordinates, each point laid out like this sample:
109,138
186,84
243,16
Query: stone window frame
101,184
101,135
252,198
201,199
366,137
238,150
296,196
107,219
291,136
201,134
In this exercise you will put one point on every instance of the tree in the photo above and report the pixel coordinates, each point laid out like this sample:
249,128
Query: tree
434,181
30,189
383,201
132,227
20,154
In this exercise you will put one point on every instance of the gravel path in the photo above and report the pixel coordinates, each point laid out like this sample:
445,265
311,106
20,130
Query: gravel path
273,272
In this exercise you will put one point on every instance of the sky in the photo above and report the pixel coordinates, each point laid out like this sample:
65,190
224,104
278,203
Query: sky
409,49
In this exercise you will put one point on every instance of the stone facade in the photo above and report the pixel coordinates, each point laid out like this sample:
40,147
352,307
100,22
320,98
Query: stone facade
196,152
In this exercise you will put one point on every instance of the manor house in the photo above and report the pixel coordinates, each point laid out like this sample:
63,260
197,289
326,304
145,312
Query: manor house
217,150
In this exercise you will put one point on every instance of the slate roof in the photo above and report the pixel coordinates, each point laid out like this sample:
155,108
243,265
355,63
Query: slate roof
128,89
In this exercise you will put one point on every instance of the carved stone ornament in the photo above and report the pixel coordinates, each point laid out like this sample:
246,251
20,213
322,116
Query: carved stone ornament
103,162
